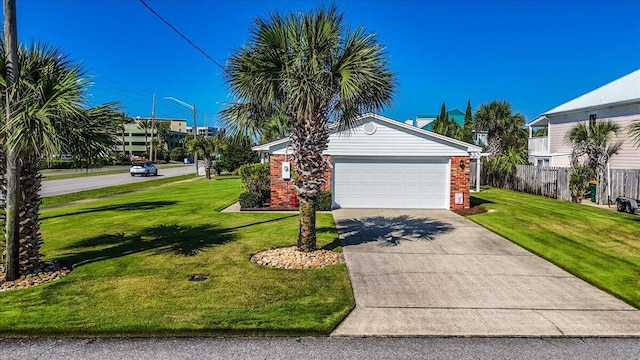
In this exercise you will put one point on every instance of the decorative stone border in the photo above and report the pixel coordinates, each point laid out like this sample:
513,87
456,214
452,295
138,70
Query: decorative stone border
291,258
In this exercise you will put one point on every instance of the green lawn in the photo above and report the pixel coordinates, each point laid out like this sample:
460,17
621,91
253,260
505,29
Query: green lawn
597,245
133,254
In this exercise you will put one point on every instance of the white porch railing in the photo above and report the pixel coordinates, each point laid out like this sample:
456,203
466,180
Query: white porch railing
539,145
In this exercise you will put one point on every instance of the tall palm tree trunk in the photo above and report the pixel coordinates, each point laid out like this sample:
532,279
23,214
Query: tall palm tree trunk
12,161
310,140
30,238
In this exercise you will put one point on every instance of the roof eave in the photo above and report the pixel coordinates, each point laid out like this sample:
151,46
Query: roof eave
594,107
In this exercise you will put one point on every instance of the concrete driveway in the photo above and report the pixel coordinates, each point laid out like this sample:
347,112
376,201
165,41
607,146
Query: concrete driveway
434,273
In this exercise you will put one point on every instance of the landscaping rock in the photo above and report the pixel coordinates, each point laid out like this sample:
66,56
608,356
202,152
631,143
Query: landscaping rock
49,271
291,258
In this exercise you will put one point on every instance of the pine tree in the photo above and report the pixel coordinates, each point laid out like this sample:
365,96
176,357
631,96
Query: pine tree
467,129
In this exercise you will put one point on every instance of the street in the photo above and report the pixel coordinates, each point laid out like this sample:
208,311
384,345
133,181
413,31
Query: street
321,348
65,186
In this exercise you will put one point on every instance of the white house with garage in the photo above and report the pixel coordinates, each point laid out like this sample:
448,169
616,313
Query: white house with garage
618,101
383,163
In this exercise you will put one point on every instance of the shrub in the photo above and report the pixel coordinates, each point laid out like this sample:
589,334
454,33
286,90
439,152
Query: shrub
250,200
178,154
579,181
256,178
57,164
323,202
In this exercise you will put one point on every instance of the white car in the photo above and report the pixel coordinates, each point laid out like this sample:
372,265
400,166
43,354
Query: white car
143,169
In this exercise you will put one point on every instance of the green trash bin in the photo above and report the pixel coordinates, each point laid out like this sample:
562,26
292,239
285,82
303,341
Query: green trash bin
592,188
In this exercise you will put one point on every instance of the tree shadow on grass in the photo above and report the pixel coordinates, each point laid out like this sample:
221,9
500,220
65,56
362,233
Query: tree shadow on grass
174,239
475,201
142,205
390,231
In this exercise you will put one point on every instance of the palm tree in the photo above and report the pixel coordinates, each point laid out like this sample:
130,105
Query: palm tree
318,72
505,129
592,141
507,141
208,148
634,130
50,117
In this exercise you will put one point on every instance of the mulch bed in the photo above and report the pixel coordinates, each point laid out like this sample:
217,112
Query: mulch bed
471,211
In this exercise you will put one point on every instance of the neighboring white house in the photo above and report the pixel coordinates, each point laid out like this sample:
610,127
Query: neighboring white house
618,101
383,163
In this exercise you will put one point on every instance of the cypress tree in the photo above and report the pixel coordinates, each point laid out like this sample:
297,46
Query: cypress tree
467,129
441,123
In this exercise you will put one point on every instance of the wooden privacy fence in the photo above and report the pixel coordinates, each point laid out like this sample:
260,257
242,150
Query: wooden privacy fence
625,182
553,182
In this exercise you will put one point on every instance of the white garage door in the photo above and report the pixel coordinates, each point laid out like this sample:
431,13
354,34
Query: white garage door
391,184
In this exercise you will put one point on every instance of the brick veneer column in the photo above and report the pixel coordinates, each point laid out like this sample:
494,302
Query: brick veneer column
460,182
281,190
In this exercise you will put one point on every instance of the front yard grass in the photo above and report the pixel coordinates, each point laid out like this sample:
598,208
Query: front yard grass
132,256
597,245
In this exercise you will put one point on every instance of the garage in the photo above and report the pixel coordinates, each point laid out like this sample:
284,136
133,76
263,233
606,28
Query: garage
380,163
419,183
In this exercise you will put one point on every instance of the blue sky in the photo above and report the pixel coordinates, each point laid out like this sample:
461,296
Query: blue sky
534,54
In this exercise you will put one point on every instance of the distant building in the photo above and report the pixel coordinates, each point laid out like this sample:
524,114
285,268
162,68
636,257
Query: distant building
207,131
425,122
135,141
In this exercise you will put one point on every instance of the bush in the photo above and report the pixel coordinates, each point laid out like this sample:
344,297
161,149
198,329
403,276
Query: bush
256,178
323,202
178,154
579,181
250,200
57,164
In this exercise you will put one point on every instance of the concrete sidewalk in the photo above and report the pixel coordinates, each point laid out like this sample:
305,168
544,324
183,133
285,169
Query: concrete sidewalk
434,273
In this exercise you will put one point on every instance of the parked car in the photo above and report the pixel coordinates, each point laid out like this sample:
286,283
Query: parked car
143,168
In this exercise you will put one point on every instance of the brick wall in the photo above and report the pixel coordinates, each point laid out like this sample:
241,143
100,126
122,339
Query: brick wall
281,189
460,182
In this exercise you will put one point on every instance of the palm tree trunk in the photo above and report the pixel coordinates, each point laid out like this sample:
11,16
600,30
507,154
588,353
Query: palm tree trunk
29,215
309,140
13,161
12,259
307,231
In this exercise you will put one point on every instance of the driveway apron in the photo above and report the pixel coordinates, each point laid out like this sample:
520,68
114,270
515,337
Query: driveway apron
435,273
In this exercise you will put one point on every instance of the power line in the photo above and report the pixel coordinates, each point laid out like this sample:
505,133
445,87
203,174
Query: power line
183,36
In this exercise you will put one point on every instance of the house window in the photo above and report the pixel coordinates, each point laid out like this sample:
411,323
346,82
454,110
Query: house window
592,120
543,162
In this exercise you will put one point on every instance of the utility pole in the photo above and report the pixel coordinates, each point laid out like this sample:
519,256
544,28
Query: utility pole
195,127
153,118
12,210
195,138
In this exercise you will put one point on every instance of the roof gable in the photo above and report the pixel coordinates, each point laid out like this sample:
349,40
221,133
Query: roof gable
376,135
622,90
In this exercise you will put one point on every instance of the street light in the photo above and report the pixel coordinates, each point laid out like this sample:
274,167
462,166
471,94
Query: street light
195,127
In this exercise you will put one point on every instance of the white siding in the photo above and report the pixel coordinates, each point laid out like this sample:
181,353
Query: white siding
627,158
388,140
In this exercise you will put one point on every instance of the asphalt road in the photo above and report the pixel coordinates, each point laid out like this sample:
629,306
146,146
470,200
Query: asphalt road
65,186
322,348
